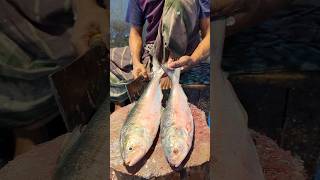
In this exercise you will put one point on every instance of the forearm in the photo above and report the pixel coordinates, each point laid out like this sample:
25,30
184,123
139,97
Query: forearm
135,44
203,49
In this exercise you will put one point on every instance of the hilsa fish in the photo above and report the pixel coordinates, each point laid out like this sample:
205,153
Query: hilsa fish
177,126
142,125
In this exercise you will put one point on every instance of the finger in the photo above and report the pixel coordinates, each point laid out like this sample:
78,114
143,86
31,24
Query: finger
164,84
136,73
168,84
144,73
170,60
181,62
161,84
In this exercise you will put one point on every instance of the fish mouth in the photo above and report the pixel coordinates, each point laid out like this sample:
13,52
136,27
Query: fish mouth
177,159
176,163
134,158
132,162
129,162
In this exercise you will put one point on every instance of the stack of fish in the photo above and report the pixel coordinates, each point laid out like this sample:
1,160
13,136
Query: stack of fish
175,121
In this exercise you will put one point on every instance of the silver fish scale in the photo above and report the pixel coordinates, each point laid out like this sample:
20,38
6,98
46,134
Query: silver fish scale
133,128
165,122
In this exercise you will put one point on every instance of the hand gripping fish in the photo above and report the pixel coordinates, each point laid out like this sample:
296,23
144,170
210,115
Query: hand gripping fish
142,125
177,126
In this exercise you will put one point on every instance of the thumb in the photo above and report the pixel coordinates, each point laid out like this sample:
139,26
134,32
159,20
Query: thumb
179,63
135,73
144,73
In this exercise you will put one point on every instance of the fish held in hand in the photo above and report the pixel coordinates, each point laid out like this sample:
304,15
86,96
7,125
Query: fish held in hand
142,125
177,126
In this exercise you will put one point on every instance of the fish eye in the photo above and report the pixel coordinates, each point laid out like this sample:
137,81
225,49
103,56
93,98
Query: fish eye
130,148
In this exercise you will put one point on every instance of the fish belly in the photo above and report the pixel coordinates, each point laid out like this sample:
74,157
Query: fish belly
182,116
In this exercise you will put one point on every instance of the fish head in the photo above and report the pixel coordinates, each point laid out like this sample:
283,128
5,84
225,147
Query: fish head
177,151
134,149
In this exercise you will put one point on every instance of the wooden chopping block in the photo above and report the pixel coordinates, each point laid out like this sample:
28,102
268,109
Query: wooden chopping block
154,164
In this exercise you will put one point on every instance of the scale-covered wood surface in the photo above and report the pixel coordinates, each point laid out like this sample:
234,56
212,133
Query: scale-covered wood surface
154,163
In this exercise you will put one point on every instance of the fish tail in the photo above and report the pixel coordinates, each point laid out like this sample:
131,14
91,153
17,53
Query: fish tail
176,76
159,73
155,64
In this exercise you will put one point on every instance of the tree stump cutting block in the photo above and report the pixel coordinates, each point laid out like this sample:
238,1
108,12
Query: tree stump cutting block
154,165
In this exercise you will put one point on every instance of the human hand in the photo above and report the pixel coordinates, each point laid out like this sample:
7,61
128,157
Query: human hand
91,20
185,62
139,70
165,83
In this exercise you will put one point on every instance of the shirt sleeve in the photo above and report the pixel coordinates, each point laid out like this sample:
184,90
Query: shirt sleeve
134,13
204,9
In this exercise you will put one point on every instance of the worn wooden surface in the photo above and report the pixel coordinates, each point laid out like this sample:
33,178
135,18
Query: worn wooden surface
286,107
81,87
154,165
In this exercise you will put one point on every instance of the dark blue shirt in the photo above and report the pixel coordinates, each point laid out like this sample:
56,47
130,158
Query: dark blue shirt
140,11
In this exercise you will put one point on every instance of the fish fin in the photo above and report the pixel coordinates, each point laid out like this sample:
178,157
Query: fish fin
159,72
167,71
176,75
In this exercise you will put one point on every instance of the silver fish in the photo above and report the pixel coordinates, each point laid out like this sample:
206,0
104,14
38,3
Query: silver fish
141,127
177,126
